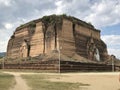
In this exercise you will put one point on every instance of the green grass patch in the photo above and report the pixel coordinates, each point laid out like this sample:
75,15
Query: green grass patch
6,81
41,82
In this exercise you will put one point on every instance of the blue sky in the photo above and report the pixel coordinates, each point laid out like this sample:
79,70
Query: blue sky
103,14
110,30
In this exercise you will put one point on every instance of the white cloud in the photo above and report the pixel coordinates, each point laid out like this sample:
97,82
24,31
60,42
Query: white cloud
3,40
59,8
5,2
75,8
111,39
113,44
8,26
3,46
104,13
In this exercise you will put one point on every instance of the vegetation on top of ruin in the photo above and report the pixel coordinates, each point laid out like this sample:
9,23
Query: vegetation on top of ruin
31,24
52,19
58,19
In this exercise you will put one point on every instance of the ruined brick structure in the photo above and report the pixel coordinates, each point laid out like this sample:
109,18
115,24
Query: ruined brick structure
66,34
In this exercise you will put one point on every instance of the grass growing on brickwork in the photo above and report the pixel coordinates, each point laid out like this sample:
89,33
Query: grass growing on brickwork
6,81
42,82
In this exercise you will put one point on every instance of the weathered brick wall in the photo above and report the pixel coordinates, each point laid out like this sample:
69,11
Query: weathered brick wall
87,31
36,42
50,39
67,39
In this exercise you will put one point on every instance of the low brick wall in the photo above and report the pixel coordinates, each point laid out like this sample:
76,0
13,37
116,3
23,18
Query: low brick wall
65,66
78,66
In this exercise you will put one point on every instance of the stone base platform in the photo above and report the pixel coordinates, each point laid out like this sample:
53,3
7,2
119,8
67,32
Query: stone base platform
65,66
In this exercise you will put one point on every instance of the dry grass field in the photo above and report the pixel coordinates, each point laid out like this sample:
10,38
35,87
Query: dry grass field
74,81
6,81
66,81
42,82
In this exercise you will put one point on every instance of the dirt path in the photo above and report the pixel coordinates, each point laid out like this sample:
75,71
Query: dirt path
20,83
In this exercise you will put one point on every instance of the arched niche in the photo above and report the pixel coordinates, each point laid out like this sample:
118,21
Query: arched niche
25,49
92,50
